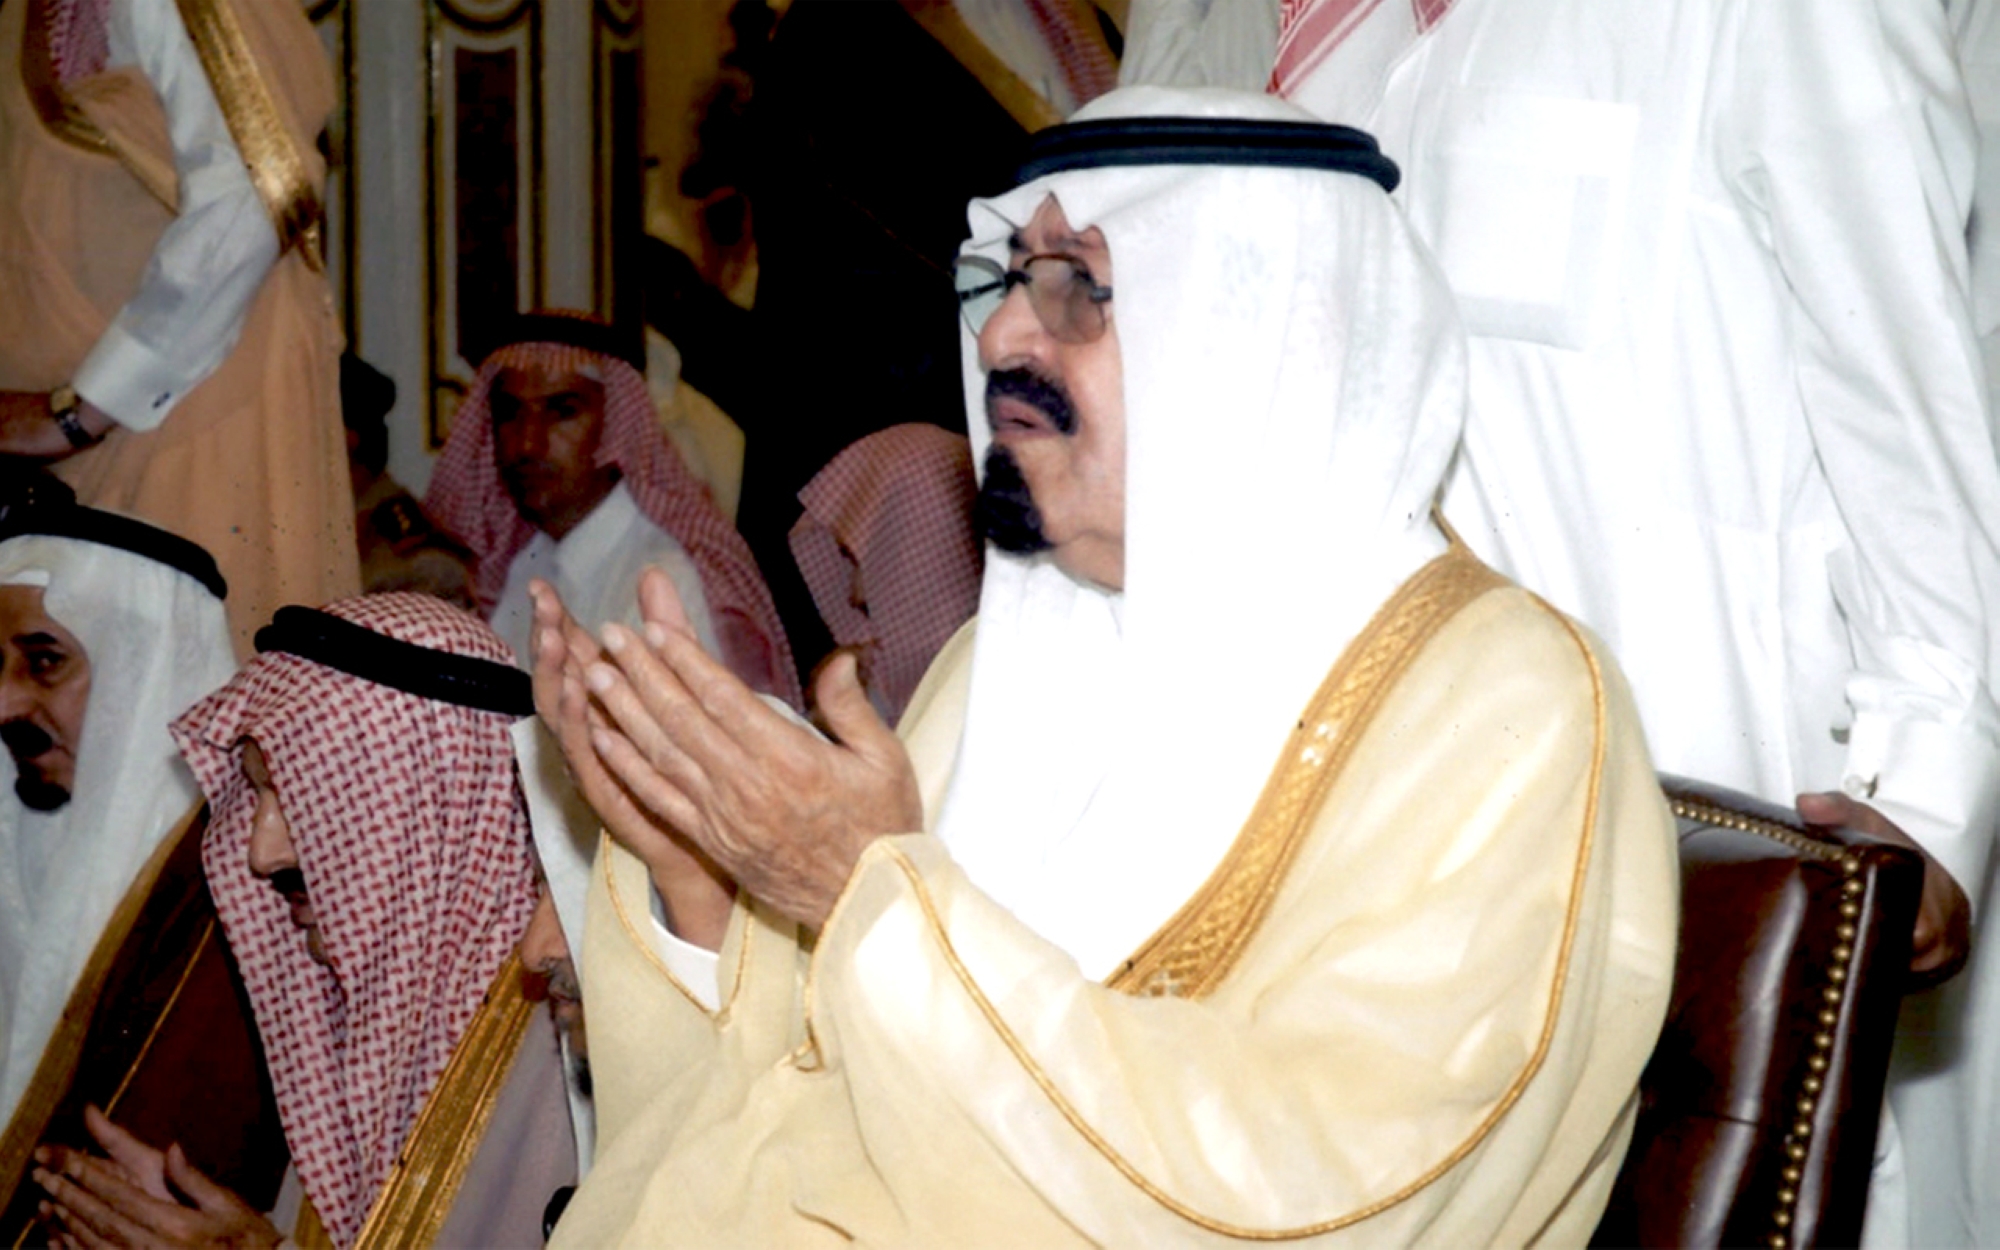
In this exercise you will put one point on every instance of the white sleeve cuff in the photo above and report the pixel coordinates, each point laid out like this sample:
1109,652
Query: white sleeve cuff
135,386
691,965
1939,783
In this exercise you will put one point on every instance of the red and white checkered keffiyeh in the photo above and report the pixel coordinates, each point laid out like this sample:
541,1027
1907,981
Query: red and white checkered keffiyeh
467,497
887,548
79,38
1079,47
1310,31
412,835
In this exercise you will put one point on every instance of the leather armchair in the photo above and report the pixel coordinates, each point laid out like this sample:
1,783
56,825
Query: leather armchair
1758,1111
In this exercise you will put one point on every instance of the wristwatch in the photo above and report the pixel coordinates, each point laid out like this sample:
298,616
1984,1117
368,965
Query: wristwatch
63,404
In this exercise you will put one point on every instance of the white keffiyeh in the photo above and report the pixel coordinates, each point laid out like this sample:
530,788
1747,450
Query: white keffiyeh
157,640
1294,389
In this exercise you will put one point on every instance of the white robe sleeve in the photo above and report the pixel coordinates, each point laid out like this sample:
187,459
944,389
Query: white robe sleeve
189,309
693,966
1854,151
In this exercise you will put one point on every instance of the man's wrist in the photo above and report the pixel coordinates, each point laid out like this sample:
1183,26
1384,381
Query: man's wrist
67,408
695,902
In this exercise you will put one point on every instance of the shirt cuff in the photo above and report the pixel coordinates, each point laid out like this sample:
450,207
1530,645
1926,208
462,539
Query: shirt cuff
694,967
1939,783
135,386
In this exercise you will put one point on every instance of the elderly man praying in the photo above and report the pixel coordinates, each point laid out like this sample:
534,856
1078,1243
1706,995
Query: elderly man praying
1148,930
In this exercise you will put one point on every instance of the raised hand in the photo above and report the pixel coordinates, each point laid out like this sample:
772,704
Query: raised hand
782,811
698,895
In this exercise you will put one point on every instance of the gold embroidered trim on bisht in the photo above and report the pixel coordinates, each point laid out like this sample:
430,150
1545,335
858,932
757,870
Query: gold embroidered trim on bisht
649,952
270,152
310,1233
60,1057
420,1190
1193,951
58,111
1403,601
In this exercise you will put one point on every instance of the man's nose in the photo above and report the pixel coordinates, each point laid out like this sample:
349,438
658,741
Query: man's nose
1012,334
15,696
523,438
271,846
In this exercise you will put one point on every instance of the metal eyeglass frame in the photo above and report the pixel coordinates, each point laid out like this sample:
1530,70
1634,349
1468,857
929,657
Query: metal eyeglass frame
983,286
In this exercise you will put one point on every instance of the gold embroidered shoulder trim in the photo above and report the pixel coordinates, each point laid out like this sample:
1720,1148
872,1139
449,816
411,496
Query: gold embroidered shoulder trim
57,1067
58,111
270,152
1064,1107
419,1193
1192,952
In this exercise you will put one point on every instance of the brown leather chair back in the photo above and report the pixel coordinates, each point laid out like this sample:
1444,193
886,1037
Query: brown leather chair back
1758,1111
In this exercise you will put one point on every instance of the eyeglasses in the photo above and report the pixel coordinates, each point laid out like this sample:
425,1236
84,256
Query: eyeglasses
1067,300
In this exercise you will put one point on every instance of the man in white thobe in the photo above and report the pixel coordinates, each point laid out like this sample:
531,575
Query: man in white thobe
1727,406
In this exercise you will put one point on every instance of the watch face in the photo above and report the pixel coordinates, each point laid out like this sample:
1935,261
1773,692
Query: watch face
63,399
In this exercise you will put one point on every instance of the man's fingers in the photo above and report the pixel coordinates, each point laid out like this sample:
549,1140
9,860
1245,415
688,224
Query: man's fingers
1940,938
624,815
87,1199
853,719
77,1237
675,738
191,1181
599,789
650,701
548,671
145,1164
660,604
555,636
645,783
1831,809
70,1232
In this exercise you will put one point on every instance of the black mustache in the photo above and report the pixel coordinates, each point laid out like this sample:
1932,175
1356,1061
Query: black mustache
24,739
288,881
1047,397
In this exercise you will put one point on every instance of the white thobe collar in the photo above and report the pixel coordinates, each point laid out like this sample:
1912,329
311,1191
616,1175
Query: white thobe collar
599,536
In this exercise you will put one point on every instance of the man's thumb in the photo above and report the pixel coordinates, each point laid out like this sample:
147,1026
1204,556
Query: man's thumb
189,1180
844,705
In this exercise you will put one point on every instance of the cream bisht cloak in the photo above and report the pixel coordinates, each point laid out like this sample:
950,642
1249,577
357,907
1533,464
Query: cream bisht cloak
1137,988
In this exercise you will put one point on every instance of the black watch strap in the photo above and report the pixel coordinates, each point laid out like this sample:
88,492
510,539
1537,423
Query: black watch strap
63,405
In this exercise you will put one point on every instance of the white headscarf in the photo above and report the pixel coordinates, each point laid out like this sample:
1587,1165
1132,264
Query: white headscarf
1294,379
157,640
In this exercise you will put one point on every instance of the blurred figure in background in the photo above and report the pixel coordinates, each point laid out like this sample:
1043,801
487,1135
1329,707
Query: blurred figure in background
557,469
887,546
110,986
400,547
370,857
